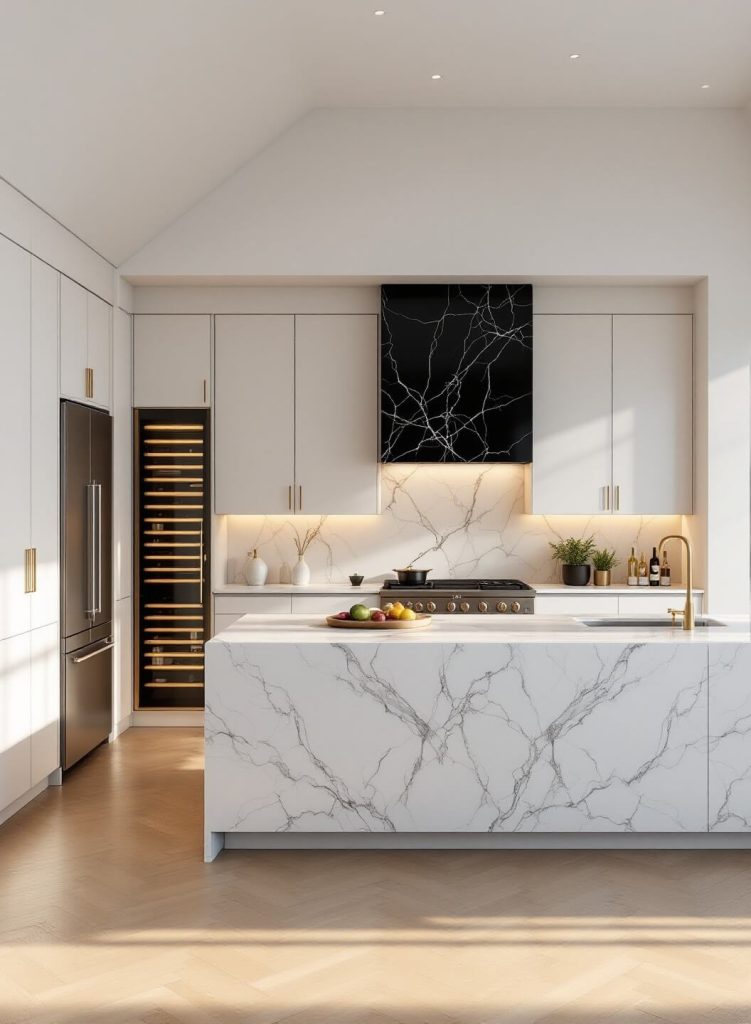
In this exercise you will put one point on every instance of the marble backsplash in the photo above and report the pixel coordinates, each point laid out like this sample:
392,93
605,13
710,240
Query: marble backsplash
458,520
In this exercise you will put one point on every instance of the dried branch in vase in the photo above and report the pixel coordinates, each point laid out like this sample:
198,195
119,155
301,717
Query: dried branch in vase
302,543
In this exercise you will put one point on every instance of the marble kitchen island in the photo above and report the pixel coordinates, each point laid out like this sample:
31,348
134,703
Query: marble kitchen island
476,732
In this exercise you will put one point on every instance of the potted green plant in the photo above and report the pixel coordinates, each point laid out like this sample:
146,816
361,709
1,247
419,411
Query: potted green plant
604,561
574,554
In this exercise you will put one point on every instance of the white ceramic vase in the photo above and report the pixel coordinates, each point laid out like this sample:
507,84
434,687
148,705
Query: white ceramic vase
256,570
301,573
285,573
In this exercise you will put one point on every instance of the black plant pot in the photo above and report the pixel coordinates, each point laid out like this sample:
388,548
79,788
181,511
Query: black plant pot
576,575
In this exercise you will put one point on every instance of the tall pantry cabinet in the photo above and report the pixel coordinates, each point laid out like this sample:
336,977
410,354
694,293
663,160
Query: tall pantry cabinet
29,584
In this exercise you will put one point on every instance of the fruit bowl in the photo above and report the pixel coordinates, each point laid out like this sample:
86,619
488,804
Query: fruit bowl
419,622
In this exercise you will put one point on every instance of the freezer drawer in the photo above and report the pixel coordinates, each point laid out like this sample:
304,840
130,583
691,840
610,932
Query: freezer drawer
87,699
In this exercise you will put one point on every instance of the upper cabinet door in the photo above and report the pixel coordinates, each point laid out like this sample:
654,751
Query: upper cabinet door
171,361
336,425
652,414
73,340
85,345
45,445
571,468
254,415
15,446
99,349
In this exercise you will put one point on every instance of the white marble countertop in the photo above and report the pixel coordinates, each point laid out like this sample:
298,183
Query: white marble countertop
542,629
373,586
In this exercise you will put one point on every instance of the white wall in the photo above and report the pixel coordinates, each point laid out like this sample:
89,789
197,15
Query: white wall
380,195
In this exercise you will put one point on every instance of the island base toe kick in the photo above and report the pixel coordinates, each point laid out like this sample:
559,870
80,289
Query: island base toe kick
415,745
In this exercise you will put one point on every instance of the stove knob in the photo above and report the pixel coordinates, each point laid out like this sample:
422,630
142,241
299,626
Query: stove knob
502,606
408,604
431,606
464,606
451,606
482,606
516,607
418,606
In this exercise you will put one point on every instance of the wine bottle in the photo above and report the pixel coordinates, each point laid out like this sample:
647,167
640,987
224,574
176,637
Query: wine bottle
654,569
643,572
664,570
633,570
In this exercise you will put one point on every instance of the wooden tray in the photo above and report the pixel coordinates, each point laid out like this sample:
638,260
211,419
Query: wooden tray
419,623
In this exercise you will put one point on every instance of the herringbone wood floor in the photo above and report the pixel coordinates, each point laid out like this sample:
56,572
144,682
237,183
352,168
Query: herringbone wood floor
108,915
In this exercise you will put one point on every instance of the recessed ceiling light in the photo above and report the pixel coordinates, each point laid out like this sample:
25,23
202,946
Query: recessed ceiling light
574,56
705,86
435,77
378,13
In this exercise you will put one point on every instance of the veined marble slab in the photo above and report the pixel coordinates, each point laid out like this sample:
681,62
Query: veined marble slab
452,737
730,739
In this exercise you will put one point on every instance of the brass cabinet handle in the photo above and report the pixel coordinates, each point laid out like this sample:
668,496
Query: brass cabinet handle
300,497
617,497
289,497
33,570
204,390
89,382
607,497
27,588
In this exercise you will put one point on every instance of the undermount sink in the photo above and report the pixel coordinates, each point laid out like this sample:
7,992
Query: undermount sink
701,622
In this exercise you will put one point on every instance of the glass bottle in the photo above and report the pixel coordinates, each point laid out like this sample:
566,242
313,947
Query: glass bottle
643,571
665,570
633,570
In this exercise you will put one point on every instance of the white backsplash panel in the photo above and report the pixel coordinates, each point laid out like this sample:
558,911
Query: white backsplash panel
458,520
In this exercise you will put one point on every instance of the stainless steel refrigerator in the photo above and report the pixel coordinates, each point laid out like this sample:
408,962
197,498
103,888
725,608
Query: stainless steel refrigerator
86,580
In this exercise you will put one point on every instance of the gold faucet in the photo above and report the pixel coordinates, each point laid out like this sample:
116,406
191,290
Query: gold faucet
688,609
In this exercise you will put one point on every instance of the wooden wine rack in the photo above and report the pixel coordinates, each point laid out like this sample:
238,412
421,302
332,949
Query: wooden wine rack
172,556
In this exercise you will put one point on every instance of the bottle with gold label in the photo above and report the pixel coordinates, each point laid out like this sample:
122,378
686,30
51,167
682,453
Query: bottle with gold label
643,571
633,570
664,570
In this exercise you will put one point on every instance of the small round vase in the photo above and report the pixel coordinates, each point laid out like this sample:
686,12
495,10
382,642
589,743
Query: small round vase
301,573
256,570
576,575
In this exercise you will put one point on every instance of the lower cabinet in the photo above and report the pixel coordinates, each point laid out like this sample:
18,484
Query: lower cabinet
45,701
228,608
15,718
29,710
591,602
122,696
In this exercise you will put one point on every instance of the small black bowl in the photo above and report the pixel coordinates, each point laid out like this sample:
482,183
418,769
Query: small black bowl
356,580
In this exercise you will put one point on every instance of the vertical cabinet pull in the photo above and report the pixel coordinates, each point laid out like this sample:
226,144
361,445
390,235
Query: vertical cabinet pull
300,497
289,497
617,497
204,391
606,497
29,570
89,382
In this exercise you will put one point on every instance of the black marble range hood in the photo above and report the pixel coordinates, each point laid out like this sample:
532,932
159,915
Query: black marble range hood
456,373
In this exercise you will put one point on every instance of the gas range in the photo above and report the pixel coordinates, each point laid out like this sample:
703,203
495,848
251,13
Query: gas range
470,597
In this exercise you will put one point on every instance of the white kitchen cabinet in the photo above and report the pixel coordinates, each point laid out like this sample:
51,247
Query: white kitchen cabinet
122,438
656,603
85,345
612,415
15,442
295,415
320,604
254,415
15,719
586,602
99,349
122,695
44,678
572,417
336,414
171,361
652,414
45,447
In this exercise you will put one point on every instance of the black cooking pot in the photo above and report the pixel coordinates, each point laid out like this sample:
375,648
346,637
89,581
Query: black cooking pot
410,577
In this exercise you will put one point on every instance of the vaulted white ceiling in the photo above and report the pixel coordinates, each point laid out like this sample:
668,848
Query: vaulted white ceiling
118,115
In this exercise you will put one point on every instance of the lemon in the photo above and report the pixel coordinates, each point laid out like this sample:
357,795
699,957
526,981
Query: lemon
407,614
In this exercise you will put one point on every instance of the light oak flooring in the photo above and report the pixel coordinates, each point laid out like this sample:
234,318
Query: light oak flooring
109,915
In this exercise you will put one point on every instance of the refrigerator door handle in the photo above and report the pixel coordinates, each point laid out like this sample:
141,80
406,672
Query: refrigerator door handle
90,609
92,654
98,497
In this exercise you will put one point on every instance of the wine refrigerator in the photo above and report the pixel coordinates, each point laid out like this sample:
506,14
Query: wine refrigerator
172,557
